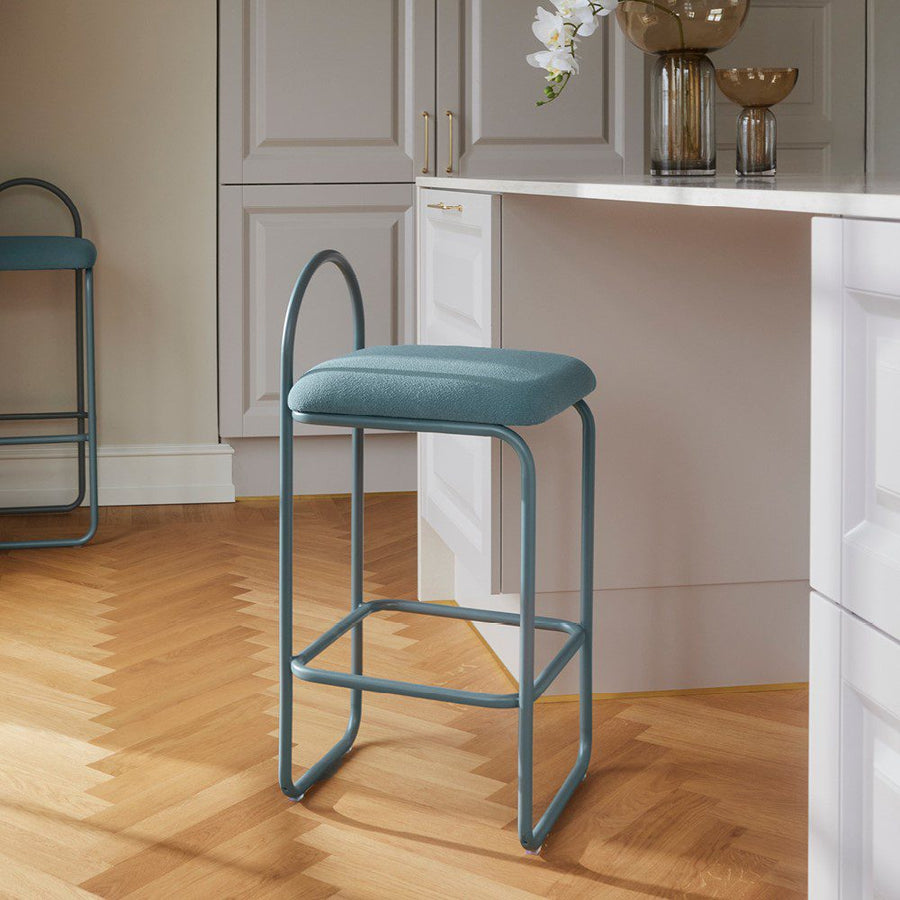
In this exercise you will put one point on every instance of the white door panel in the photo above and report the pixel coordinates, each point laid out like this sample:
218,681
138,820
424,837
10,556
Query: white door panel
871,497
458,304
870,763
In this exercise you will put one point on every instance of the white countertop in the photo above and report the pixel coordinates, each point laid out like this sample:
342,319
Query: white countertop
849,196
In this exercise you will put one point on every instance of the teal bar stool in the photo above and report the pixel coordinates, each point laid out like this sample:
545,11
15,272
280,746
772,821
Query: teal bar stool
34,253
444,390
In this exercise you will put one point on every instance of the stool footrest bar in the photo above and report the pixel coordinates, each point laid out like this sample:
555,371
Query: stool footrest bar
305,672
37,417
29,439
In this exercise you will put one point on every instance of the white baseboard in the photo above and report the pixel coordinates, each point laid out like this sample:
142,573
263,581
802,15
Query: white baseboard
672,638
138,475
323,464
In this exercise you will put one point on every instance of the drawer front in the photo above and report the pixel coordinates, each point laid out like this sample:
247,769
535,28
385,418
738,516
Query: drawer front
458,303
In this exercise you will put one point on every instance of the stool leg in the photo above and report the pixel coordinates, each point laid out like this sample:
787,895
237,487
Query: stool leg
357,505
533,836
586,674
526,651
296,789
79,383
93,496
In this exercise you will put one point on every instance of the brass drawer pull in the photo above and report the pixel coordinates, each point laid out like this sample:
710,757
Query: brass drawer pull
457,207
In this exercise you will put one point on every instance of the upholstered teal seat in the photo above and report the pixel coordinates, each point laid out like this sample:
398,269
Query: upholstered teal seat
46,252
454,384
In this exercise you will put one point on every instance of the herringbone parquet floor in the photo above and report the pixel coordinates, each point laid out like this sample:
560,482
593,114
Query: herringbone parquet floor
137,739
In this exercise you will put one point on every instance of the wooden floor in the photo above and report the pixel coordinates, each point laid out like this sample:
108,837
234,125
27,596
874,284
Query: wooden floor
137,739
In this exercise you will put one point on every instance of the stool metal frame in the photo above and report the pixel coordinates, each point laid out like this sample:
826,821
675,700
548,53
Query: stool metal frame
292,665
84,415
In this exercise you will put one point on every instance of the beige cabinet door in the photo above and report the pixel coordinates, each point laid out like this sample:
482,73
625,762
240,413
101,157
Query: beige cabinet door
883,127
821,126
315,92
267,233
490,91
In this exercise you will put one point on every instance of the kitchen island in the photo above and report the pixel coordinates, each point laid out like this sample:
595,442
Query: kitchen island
733,325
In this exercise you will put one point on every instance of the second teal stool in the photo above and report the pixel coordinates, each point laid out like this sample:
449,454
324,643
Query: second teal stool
446,390
45,252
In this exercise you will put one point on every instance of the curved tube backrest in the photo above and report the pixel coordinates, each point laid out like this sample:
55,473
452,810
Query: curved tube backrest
47,186
293,310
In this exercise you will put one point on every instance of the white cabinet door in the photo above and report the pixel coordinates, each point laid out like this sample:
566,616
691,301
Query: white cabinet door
871,501
267,233
459,297
316,92
485,82
870,763
854,773
855,503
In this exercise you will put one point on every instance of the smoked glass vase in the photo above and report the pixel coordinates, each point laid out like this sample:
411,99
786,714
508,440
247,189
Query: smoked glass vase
682,93
756,90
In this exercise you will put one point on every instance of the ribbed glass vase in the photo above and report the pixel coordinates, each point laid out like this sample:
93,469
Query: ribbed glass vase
683,87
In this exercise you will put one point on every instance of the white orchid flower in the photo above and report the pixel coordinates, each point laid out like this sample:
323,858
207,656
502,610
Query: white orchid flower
609,6
556,62
552,31
580,13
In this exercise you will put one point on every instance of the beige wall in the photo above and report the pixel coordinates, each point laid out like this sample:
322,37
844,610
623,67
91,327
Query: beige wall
115,101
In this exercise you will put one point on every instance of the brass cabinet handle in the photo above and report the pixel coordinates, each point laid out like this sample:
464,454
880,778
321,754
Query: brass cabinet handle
457,207
426,118
449,169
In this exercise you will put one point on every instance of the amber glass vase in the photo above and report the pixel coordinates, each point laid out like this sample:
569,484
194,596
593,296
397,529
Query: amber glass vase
683,87
756,90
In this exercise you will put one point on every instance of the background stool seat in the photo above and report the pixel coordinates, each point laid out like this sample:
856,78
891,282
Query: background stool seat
457,384
29,253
